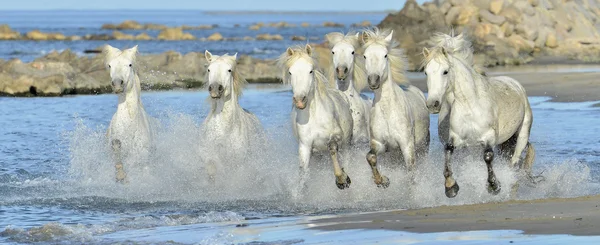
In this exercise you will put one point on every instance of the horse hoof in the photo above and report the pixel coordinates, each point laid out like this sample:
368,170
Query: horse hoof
345,185
385,182
452,191
494,188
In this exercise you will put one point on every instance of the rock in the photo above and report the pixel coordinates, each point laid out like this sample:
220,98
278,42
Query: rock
365,23
74,38
150,26
482,30
546,4
481,4
468,14
445,7
491,18
305,24
130,25
521,44
143,37
269,37
527,30
507,28
247,38
109,26
200,27
496,6
459,2
36,35
281,24
512,14
298,38
551,41
8,34
122,36
236,25
215,37
332,24
534,3
524,7
255,27
174,34
102,37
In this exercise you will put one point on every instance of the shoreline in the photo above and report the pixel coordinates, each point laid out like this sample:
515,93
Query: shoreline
579,216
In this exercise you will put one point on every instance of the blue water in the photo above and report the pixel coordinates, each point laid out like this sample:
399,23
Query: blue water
80,23
56,184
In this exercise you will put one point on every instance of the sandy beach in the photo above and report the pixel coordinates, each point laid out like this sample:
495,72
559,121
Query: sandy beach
573,216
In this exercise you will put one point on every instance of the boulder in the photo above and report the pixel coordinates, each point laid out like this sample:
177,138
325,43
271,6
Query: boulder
143,37
298,38
8,34
101,37
215,37
122,36
451,15
507,28
365,23
534,3
551,41
468,14
305,24
459,2
269,37
512,14
521,44
332,24
496,6
36,35
129,25
491,18
247,38
255,27
524,7
445,7
174,34
151,26
527,30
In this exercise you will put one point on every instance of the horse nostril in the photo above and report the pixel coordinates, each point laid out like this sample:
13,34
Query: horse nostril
210,88
121,82
303,98
220,88
436,104
346,70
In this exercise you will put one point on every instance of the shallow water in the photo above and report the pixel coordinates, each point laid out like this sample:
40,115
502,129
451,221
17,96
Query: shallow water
56,179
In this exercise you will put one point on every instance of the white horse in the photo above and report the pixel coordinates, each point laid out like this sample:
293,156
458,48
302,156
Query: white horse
475,110
130,133
399,116
351,80
321,117
228,125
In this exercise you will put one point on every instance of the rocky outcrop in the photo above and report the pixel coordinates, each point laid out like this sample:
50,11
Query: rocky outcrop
65,73
8,34
269,37
504,32
332,24
175,34
36,35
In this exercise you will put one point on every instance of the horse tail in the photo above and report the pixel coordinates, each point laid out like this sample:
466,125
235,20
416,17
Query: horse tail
529,157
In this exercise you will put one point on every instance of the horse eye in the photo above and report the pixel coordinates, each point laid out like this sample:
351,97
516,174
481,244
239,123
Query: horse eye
290,73
311,72
129,65
446,72
229,70
208,70
352,52
332,52
385,56
364,56
108,66
425,73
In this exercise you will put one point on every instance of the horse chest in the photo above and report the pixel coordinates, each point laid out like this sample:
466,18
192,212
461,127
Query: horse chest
130,128
386,123
468,127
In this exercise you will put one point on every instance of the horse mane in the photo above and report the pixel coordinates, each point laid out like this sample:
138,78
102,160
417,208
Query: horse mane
458,45
396,57
359,74
239,82
285,61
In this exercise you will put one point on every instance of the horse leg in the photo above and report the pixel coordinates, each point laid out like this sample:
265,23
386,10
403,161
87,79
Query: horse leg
342,180
211,169
120,172
451,186
409,154
304,152
493,184
377,148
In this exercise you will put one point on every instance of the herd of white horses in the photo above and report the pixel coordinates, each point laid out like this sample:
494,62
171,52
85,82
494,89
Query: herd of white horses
475,111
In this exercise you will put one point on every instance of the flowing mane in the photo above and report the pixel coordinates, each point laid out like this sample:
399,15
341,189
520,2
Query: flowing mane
285,61
359,75
457,45
396,57
239,82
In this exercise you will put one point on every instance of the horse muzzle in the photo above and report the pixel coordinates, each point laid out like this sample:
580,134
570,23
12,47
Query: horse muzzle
117,86
434,106
215,91
374,81
341,72
300,103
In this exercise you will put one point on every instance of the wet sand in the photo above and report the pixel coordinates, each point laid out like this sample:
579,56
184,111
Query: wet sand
573,216
542,80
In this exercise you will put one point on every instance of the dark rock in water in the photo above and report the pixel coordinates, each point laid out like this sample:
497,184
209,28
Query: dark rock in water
92,51
101,37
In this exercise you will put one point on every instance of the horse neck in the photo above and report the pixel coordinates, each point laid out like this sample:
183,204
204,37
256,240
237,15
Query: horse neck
131,99
387,88
466,85
351,88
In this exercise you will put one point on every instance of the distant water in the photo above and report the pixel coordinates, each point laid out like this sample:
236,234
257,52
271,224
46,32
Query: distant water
89,22
56,184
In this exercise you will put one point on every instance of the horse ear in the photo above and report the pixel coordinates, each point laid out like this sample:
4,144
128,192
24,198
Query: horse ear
134,49
389,36
364,38
309,50
289,51
235,56
110,53
426,52
207,55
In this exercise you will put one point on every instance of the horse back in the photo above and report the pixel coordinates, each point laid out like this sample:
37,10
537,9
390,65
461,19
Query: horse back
511,100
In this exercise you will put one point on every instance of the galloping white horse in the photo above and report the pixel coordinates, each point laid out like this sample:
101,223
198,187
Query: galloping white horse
351,79
399,116
475,110
228,125
130,132
321,117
